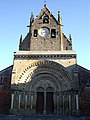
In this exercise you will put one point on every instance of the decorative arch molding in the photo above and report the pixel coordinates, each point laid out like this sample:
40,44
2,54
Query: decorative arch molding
45,66
49,89
40,89
45,80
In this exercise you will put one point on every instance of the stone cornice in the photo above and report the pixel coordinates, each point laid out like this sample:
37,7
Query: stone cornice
45,54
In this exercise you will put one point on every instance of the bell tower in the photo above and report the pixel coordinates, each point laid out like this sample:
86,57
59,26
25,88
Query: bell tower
45,33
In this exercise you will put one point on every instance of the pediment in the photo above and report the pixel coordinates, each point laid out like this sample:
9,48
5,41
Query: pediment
46,12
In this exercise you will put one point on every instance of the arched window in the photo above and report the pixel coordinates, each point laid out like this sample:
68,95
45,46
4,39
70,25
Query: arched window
46,19
53,33
35,33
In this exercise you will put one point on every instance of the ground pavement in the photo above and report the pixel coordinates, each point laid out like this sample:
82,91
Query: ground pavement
41,117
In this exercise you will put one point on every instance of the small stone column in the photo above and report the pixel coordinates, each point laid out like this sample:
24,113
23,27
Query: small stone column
57,104
66,103
60,104
70,104
35,101
44,111
77,103
63,102
25,101
19,101
12,101
31,102
73,101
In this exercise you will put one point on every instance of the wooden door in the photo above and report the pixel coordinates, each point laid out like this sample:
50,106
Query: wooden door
40,102
49,103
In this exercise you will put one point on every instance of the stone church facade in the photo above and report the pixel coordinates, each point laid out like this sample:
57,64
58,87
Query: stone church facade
45,75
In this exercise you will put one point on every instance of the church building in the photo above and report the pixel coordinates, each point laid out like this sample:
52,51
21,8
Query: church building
45,77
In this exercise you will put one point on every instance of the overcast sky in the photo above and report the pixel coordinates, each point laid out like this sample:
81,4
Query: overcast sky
15,15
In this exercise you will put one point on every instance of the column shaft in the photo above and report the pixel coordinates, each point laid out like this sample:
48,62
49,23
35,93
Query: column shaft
25,101
57,104
77,105
44,111
60,104
31,101
12,100
69,102
63,103
19,102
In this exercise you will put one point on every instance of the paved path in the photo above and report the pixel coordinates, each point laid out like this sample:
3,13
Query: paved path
36,117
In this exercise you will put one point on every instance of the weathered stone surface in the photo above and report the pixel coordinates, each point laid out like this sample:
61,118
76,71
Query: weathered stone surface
45,76
37,117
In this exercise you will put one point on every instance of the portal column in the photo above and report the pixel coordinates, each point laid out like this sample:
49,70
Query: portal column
44,111
19,101
73,106
77,105
63,100
57,103
35,100
69,103
60,104
32,101
66,103
25,101
12,101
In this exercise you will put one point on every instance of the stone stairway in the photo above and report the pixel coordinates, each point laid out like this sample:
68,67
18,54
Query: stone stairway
42,117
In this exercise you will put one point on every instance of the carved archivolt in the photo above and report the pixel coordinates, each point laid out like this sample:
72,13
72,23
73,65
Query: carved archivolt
50,70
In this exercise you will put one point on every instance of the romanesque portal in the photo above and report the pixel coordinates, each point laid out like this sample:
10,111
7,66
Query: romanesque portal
45,89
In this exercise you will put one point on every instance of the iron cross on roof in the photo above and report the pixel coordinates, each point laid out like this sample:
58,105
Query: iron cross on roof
45,2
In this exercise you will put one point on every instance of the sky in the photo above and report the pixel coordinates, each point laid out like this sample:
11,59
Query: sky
15,15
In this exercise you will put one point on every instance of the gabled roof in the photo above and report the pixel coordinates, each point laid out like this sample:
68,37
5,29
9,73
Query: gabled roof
44,11
6,69
84,69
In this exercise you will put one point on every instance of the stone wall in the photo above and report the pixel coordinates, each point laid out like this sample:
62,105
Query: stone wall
84,84
5,92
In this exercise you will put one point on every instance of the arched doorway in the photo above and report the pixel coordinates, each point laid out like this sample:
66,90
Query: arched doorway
40,100
44,101
49,101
